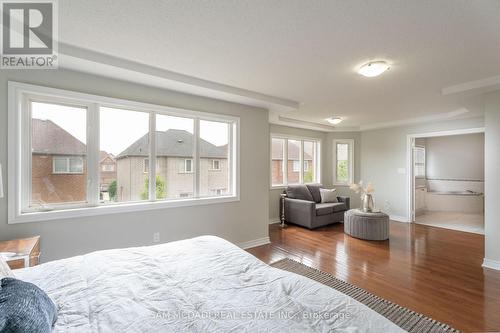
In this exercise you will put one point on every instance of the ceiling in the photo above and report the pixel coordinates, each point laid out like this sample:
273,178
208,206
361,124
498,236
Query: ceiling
308,51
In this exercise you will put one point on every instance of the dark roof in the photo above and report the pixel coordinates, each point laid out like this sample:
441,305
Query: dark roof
293,151
174,143
49,138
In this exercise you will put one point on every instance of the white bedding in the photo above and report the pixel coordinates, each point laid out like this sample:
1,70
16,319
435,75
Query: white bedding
205,284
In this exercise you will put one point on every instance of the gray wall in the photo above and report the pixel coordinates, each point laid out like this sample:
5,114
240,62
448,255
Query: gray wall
326,162
455,157
241,221
492,178
383,152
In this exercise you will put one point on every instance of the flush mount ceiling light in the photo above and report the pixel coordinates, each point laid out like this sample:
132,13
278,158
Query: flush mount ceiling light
373,68
334,120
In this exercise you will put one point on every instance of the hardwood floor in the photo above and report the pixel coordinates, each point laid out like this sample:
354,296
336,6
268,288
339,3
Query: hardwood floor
430,270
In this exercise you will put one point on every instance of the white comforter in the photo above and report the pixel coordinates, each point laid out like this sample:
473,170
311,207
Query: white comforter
205,284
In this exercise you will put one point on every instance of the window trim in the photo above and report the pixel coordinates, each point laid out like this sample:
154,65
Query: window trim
287,137
19,146
350,143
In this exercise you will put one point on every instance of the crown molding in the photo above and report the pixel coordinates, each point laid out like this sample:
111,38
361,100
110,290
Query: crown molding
484,85
88,61
415,121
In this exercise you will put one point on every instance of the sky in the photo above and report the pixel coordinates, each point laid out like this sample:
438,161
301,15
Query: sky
120,128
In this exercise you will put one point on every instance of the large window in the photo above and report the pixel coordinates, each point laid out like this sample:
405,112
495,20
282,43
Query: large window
343,162
75,152
302,156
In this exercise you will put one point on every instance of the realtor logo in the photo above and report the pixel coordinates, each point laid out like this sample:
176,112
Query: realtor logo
29,34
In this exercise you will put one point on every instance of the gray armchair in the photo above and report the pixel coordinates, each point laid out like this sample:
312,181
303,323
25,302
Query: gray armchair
303,207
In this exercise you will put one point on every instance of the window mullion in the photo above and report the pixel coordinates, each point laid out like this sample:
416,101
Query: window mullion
152,156
301,162
92,155
285,162
196,157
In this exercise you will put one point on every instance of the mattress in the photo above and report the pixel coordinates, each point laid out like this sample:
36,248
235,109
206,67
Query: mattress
204,284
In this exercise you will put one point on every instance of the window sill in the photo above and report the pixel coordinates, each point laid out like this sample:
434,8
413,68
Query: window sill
116,209
342,184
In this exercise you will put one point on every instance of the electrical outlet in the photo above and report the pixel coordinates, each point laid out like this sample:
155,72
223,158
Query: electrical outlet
156,237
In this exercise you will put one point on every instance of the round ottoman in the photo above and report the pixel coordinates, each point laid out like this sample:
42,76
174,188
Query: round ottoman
369,226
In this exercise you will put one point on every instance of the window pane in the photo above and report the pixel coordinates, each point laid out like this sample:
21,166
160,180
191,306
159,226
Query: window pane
343,162
60,164
75,165
124,144
58,135
277,160
293,161
310,162
214,143
174,154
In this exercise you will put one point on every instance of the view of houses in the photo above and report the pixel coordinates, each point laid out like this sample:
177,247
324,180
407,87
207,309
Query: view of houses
59,167
293,168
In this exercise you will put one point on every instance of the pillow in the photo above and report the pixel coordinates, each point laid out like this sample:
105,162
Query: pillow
328,195
299,192
25,308
4,269
314,189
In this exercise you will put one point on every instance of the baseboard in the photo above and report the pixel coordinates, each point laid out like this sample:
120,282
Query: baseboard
492,264
274,221
398,218
254,243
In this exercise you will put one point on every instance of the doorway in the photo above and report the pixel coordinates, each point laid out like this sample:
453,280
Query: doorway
446,179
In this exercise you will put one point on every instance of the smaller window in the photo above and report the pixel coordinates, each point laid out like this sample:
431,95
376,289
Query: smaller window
185,195
218,191
419,160
215,165
108,168
343,161
187,166
306,166
296,166
145,167
67,164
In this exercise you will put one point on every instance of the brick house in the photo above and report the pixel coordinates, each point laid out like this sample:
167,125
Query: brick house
174,166
293,163
59,168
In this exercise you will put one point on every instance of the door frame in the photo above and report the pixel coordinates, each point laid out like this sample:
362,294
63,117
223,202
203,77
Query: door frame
410,143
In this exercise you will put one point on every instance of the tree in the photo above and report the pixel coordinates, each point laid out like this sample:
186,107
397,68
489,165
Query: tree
112,190
308,176
160,188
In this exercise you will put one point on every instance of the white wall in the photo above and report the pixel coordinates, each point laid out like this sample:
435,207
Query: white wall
241,221
326,163
492,180
383,152
458,157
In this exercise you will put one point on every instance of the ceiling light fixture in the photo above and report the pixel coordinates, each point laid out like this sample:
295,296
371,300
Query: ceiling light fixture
373,68
335,120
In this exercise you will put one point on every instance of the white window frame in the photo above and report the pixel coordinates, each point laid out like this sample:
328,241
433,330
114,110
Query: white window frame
104,169
350,143
19,154
218,168
285,138
68,165
415,149
185,169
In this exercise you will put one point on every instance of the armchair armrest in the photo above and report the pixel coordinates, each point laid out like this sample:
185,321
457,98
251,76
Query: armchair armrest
297,210
346,200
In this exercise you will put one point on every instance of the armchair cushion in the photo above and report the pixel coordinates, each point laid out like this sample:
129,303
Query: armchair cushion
300,192
329,208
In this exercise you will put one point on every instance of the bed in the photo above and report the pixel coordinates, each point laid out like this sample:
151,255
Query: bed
204,284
